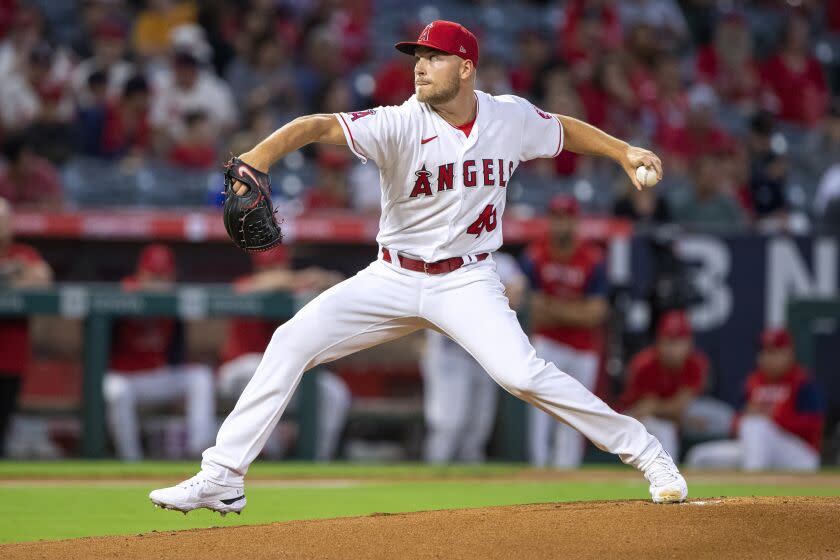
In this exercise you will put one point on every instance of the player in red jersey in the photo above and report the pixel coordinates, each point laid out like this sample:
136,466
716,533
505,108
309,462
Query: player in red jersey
781,425
247,338
665,384
568,310
21,266
147,366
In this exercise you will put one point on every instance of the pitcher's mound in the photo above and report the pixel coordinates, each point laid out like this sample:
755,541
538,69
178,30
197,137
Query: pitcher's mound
714,528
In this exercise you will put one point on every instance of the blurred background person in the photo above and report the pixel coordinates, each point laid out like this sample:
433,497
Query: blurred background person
247,338
27,180
21,267
665,386
567,311
781,424
148,367
459,397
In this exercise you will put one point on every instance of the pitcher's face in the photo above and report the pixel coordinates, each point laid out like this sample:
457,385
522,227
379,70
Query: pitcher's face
437,75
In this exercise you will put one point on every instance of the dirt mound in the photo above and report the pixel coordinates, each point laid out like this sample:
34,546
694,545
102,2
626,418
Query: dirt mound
722,528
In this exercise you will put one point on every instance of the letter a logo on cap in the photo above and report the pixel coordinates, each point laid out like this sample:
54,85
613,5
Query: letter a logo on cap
424,35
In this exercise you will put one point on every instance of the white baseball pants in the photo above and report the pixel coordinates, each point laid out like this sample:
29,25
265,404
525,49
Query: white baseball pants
333,402
761,445
384,302
459,401
124,393
552,443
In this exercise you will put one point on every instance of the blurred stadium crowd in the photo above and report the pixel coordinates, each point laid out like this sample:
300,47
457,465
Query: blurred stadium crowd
118,103
114,102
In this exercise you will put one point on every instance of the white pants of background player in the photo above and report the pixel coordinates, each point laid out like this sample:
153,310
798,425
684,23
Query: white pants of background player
761,445
553,443
384,302
703,417
459,401
333,403
125,393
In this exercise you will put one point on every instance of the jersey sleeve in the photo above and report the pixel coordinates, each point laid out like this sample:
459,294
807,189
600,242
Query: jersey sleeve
373,134
542,133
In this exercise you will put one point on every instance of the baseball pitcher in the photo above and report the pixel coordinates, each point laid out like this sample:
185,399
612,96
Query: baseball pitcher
445,157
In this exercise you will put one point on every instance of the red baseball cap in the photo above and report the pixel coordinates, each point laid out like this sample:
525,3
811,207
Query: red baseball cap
446,36
674,324
157,259
776,339
562,205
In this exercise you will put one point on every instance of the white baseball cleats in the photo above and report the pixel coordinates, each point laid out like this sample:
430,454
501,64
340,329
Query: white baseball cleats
667,485
199,492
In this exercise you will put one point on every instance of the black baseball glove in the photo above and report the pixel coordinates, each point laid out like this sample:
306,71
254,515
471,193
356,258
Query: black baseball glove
249,218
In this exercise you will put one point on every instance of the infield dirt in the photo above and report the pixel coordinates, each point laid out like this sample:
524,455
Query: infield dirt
713,528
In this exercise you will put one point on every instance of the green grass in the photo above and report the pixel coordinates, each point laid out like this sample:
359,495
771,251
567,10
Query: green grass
55,510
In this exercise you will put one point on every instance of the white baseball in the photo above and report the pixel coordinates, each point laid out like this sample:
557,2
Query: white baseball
646,176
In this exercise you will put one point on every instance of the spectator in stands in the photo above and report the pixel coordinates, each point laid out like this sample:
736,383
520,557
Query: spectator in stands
116,127
728,65
27,180
534,53
767,196
555,92
109,56
320,65
196,148
127,131
707,201
684,137
330,190
25,32
259,123
590,28
21,267
247,338
155,23
90,117
394,82
644,207
494,77
665,385
148,368
188,88
568,310
794,81
266,76
20,99
91,15
53,129
643,47
781,424
609,100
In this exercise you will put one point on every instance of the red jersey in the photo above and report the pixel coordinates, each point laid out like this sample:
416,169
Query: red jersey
648,377
246,335
573,278
142,344
14,331
732,84
798,96
796,402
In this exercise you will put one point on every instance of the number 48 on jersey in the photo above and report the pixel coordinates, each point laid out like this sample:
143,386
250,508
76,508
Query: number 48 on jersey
486,221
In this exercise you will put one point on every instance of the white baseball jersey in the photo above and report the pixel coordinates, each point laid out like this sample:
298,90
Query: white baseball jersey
443,193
